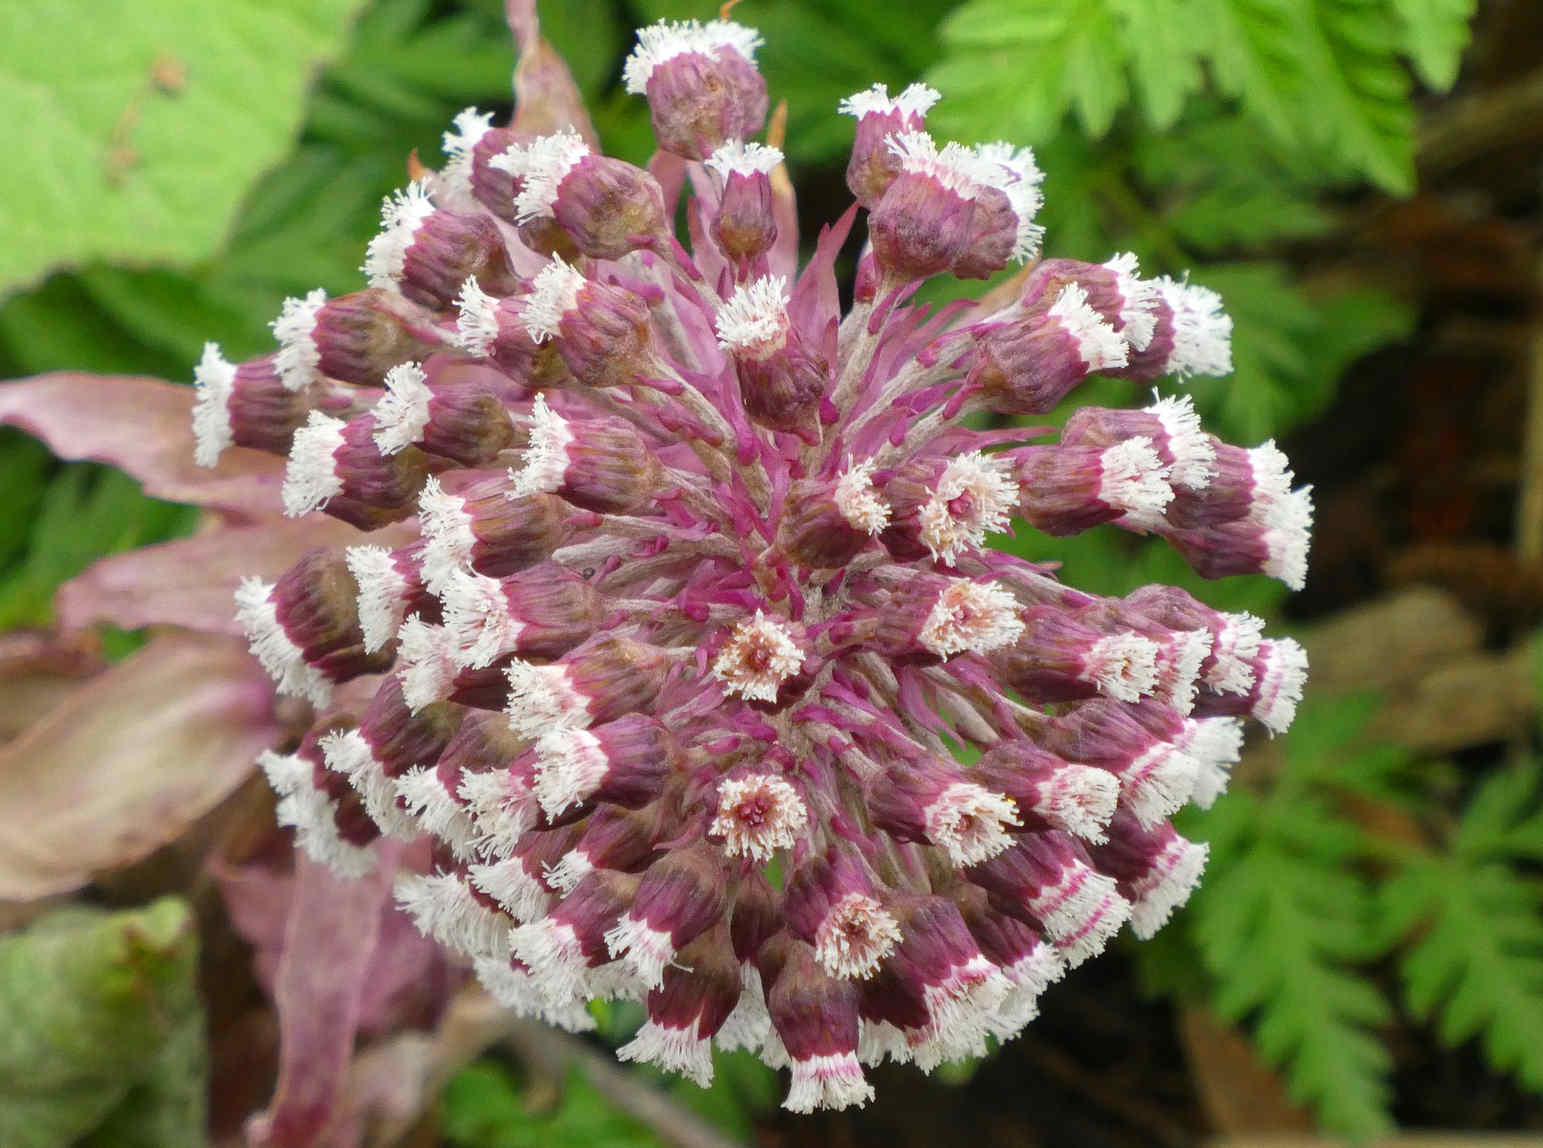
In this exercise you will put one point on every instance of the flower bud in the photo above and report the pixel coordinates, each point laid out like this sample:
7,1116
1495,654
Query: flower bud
1068,489
1154,868
624,762
1173,429
356,338
1055,793
460,420
828,522
781,382
815,1018
598,464
680,896
1059,658
874,166
607,677
562,948
477,526
328,818
1030,363
830,901
1113,290
543,611
925,218
470,148
1280,672
701,82
931,802
338,467
495,329
602,332
391,586
745,226
427,253
697,994
1002,227
245,404
946,507
1191,336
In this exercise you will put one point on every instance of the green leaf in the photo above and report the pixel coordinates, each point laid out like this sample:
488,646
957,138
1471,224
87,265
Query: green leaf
483,1109
1165,48
1435,32
93,1003
140,140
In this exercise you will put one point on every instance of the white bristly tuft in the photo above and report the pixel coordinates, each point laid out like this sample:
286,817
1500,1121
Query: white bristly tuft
552,952
424,663
382,594
570,765
518,992
347,752
749,1024
1202,331
309,811
646,949
476,324
565,876
857,500
541,698
1235,648
740,158
1138,301
1013,172
1178,668
1099,345
974,616
672,1049
1159,782
1079,799
401,214
214,379
758,814
990,491
507,882
1279,689
856,934
1194,454
402,412
1134,479
753,323
501,811
1081,911
1122,666
954,167
1174,874
916,100
544,466
670,38
285,662
477,619
437,811
447,535
1287,537
470,126
835,1081
553,294
969,822
443,908
295,329
311,479
759,656
1215,744
541,166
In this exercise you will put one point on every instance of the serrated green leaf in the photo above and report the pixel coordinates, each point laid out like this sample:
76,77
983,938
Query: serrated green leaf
1165,47
1435,32
140,140
482,1108
1504,818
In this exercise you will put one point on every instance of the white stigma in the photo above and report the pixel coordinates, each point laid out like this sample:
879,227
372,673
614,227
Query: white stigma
740,158
855,936
969,822
1013,172
401,214
311,478
477,620
544,466
1202,331
916,100
295,330
979,617
667,39
1099,345
570,765
1122,666
214,379
382,593
1166,885
759,656
459,144
402,414
1138,301
858,501
954,166
554,293
976,494
753,324
541,166
757,815
273,648
476,324
1133,478
541,698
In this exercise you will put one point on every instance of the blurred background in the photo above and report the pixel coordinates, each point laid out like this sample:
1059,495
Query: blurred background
1361,180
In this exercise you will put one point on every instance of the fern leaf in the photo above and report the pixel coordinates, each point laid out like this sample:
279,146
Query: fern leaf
1165,47
1435,32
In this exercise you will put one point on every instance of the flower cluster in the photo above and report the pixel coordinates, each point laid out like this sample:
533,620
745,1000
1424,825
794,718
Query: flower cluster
695,664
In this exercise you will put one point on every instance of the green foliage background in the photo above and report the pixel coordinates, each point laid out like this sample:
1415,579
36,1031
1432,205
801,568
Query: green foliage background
1206,135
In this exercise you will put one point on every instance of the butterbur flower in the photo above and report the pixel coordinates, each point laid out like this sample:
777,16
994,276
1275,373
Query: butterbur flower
690,582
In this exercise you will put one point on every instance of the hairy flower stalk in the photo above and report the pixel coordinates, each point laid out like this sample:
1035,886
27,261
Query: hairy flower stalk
702,590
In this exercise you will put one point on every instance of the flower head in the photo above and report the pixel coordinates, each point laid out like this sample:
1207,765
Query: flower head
701,583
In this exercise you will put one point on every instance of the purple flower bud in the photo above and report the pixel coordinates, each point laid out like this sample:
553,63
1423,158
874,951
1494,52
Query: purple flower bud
562,948
815,1018
606,678
624,762
543,611
946,507
746,226
1173,429
697,994
1030,362
926,216
602,332
1067,489
391,586
427,253
1279,673
1113,290
463,420
477,526
495,329
874,165
1002,228
831,902
356,338
1155,869
471,147
1191,336
1050,792
245,404
328,818
781,382
1059,658
339,467
598,464
680,897
933,802
701,82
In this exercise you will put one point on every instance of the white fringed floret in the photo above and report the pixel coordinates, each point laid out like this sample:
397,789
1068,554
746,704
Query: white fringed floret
736,157
969,822
555,957
501,810
459,144
295,329
856,934
753,323
672,1049
858,502
915,100
544,465
758,814
992,494
1288,536
541,166
437,811
646,948
835,1081
554,292
476,324
1138,300
477,620
382,594
309,812
541,698
272,646
1235,648
443,908
1133,479
348,753
1013,172
447,534
215,380
401,214
424,663
570,765
953,166
974,616
1081,911
402,413
1099,345
1194,454
1279,690
1174,874
311,478
759,656
507,882
1202,331
1079,799
1215,744
749,1025
1158,783
518,992
667,39
1122,666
